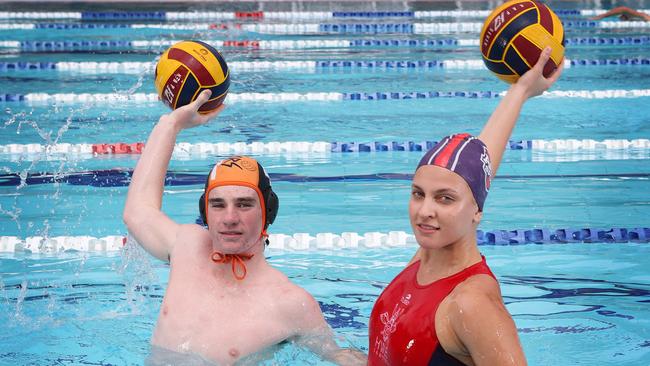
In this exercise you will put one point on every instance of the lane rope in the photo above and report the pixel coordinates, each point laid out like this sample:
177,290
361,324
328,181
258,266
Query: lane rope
345,240
41,98
268,15
184,150
318,28
310,66
156,46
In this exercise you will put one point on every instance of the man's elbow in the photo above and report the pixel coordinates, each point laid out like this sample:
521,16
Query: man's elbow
130,217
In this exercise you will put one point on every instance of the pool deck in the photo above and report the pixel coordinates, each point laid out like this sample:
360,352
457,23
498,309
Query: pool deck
237,1
249,5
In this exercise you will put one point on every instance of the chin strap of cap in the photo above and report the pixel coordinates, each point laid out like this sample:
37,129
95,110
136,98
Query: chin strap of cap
235,259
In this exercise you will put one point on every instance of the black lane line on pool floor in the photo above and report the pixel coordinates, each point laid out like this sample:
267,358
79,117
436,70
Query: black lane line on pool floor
122,178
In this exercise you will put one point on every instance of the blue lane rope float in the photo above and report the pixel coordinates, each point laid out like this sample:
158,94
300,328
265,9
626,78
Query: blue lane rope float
611,62
541,145
373,14
367,28
627,40
345,240
404,42
60,26
140,15
45,46
573,41
319,65
565,235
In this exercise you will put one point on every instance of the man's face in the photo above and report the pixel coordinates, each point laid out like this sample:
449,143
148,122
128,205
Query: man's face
234,219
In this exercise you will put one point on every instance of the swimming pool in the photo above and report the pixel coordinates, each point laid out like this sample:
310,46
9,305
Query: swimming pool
577,299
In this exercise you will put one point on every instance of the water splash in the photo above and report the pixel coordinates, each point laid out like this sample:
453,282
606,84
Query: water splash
145,73
4,297
45,230
13,214
45,135
19,317
13,117
138,274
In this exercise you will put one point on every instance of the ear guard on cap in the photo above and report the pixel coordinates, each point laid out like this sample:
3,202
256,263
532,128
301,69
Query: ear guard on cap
272,205
204,219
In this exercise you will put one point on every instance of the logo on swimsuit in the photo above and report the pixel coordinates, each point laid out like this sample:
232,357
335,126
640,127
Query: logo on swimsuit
390,325
406,299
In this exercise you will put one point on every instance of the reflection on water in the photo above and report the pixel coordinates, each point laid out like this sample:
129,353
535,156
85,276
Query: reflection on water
285,353
162,357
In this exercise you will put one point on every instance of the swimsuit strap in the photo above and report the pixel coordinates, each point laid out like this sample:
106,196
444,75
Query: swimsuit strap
235,259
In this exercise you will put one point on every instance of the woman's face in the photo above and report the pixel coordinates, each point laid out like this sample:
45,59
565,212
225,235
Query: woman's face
442,208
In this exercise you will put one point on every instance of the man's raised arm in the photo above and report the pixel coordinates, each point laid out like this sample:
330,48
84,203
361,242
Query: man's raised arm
154,230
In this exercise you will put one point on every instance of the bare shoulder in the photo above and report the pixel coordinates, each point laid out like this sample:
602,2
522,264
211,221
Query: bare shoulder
476,296
296,303
482,324
480,284
191,239
291,293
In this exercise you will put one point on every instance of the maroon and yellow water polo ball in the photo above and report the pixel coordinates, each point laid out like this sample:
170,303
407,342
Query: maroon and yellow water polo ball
186,69
514,36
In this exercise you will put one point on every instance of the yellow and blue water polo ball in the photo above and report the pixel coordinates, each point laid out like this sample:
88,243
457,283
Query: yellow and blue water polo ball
514,36
186,69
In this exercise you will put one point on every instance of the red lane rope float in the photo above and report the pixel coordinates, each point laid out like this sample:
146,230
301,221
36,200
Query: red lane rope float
224,26
253,44
249,14
118,148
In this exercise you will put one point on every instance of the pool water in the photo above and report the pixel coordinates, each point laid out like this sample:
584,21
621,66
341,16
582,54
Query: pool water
573,303
567,302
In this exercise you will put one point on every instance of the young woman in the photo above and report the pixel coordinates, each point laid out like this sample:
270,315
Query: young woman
445,307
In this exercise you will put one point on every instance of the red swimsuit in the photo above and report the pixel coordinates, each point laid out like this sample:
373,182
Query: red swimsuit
402,322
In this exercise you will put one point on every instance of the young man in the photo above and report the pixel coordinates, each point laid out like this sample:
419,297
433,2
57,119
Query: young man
223,301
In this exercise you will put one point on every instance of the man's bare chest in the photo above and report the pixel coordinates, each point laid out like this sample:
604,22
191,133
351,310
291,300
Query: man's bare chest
219,324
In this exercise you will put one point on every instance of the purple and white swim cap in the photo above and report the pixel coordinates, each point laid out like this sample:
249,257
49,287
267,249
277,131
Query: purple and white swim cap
466,156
